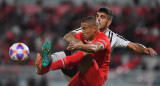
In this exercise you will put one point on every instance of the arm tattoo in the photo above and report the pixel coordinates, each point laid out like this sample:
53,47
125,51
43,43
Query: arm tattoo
91,48
88,48
70,37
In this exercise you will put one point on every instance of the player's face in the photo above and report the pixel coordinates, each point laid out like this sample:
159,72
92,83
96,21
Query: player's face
103,19
87,31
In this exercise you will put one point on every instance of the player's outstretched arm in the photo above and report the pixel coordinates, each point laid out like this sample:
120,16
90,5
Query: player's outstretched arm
90,48
141,48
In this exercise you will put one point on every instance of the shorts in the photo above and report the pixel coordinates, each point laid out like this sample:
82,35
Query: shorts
92,77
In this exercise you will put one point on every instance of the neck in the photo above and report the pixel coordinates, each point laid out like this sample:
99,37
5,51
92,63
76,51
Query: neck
94,36
104,30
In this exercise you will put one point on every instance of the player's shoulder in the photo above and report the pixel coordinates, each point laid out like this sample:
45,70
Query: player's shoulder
110,32
102,36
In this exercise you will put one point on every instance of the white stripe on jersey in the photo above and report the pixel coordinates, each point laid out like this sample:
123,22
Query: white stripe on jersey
115,39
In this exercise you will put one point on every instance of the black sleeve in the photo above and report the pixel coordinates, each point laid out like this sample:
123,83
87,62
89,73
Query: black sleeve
70,72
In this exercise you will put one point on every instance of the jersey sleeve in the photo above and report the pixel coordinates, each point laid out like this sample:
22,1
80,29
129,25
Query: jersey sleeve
77,30
79,36
120,41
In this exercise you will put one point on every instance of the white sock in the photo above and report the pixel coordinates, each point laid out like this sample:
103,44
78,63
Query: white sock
57,56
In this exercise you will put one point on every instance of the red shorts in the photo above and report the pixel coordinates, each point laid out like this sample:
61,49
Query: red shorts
92,77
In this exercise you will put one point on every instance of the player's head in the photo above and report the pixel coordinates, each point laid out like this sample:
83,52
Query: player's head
104,16
89,27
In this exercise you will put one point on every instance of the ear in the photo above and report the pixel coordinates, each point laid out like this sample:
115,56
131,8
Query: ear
108,23
95,28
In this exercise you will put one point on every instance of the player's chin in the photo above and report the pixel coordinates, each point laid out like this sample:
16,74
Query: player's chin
102,27
84,37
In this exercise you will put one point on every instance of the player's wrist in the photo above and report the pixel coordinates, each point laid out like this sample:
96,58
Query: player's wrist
79,46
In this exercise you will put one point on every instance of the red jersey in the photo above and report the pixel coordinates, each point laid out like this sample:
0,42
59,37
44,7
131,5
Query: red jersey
102,57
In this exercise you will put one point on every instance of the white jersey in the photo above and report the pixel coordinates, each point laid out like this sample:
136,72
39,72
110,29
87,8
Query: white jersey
115,39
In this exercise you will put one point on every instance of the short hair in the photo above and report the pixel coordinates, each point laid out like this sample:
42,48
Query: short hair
107,11
89,20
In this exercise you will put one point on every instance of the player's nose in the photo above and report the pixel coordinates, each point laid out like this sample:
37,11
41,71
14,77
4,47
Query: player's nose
98,18
83,33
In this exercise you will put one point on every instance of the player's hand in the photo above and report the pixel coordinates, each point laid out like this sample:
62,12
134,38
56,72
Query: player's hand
150,51
72,46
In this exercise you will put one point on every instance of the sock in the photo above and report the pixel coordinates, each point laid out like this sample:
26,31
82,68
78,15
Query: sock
57,56
45,70
68,61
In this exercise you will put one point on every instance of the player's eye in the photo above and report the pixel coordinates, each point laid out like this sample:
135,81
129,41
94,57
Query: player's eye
102,17
83,28
96,15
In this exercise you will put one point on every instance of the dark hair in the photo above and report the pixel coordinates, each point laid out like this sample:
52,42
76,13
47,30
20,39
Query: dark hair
107,11
90,20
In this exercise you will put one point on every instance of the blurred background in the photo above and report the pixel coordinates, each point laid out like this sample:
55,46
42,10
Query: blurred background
35,21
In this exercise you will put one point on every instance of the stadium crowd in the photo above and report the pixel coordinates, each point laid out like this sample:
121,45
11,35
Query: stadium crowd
34,24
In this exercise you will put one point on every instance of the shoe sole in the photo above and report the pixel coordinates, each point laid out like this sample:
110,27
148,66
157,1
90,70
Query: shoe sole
37,63
46,50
